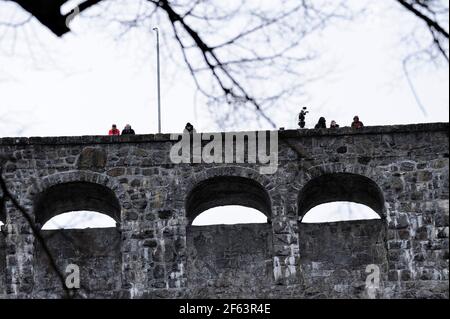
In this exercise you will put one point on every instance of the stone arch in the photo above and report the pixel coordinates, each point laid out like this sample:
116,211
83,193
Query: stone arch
233,256
338,182
343,249
90,248
77,190
230,185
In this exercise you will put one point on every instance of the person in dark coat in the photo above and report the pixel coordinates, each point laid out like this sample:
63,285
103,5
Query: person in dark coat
334,124
357,123
321,124
128,130
189,127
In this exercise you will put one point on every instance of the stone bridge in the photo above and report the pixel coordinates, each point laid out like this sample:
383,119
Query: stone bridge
401,172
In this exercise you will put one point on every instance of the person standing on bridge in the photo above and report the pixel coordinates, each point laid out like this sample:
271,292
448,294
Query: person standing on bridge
189,128
321,124
357,123
128,130
114,130
334,124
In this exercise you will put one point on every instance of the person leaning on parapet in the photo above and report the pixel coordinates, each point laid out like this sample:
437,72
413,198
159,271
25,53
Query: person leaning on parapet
321,124
114,130
333,124
356,122
189,127
128,130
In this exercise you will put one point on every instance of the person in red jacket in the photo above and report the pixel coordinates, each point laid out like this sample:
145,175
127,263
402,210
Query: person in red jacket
357,123
114,130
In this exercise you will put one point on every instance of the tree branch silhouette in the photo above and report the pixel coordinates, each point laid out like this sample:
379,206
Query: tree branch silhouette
246,70
228,73
428,16
8,196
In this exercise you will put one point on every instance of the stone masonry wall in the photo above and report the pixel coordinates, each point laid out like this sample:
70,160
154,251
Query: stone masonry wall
334,256
2,266
95,251
401,171
233,259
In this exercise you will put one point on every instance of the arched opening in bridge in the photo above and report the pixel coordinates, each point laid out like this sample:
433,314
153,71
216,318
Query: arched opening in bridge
73,197
340,187
342,230
339,211
227,191
230,215
79,220
228,251
64,210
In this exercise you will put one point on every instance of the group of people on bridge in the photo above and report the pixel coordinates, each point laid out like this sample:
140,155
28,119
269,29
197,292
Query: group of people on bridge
323,124
126,131
189,127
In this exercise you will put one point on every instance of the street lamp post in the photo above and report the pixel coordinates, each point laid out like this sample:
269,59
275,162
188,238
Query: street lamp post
159,78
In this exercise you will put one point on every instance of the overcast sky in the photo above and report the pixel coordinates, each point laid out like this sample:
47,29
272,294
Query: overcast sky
83,82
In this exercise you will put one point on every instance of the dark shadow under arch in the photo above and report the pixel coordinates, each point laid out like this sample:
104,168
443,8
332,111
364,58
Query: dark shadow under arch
227,190
75,196
334,187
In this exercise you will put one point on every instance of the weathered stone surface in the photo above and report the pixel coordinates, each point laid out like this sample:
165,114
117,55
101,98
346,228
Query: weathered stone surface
117,171
2,266
226,256
92,158
95,251
154,252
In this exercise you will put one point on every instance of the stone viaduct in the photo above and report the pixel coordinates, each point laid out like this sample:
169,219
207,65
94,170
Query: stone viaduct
401,172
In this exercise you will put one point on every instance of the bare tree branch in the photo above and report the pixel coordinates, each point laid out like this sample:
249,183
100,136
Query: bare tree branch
49,13
438,32
432,24
8,196
251,67
411,86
